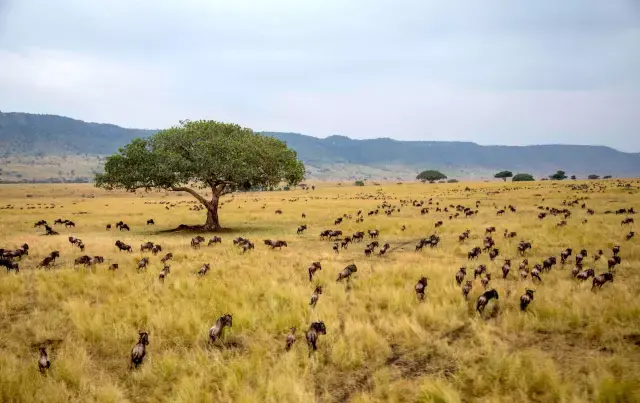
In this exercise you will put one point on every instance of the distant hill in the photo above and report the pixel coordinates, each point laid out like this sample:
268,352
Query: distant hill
335,157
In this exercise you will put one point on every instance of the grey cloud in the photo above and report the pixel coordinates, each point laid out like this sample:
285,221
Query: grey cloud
492,72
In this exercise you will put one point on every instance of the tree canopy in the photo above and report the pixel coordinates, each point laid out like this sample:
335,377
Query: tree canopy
523,178
431,176
558,176
503,175
203,154
593,176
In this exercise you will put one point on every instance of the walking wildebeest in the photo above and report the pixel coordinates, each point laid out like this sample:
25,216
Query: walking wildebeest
347,272
315,296
214,240
139,350
421,288
315,266
484,299
216,330
460,275
151,222
43,361
316,329
291,338
526,299
466,289
601,279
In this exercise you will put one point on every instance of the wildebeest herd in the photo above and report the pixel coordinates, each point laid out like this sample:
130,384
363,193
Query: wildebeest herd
372,243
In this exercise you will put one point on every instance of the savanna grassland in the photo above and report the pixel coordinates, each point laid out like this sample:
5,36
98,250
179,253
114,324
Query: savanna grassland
382,344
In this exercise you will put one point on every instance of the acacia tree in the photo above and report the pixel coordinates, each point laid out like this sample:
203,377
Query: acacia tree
503,175
523,178
431,176
211,155
558,176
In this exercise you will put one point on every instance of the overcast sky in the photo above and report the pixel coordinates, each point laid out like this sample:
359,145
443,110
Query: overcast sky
489,71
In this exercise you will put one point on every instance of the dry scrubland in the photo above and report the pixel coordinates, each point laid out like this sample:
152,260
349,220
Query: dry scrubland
573,345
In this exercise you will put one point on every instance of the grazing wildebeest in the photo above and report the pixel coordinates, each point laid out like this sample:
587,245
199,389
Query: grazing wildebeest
204,269
216,330
122,246
124,227
315,296
215,239
535,273
601,279
526,299
460,275
146,246
373,233
46,262
358,236
316,329
466,289
324,234
276,244
85,260
347,272
315,266
139,350
113,266
151,222
69,224
338,221
489,230
98,260
421,288
345,242
43,361
247,246
335,234
438,224
291,338
484,299
142,264
301,229
156,249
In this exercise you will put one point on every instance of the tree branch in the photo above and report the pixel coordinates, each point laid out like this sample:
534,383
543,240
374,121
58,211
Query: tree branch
191,192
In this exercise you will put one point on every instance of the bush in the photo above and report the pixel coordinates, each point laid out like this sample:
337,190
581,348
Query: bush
359,183
523,178
452,181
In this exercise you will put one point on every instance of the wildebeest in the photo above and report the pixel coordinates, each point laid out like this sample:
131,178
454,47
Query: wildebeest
275,244
547,264
373,233
421,288
489,230
113,266
301,229
535,273
474,253
384,249
526,299
69,224
196,241
438,224
315,296
494,253
316,329
167,257
163,273
335,234
216,330
347,272
479,271
122,246
9,265
39,223
139,350
506,268
627,220
601,279
143,263
584,275
616,250
247,246
146,246
108,227
485,280
345,242
151,222
315,266
358,236
466,289
565,255
97,260
291,338
214,240
43,361
484,299
613,261
460,275
630,235
85,260
204,269
124,227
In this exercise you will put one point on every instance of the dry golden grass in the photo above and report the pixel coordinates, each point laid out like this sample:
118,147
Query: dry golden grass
573,345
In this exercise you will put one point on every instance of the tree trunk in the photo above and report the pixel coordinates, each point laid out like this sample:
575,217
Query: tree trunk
504,179
213,222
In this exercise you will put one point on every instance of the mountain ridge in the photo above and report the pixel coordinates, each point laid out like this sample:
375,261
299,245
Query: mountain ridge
35,134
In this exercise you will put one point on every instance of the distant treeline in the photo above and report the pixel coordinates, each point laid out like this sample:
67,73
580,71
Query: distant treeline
48,180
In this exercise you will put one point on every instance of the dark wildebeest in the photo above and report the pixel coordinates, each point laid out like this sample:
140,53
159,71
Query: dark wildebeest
39,223
616,250
601,279
565,255
146,246
216,330
69,224
195,242
535,273
139,350
506,268
474,253
43,361
46,262
613,261
421,288
576,270
384,249
315,266
485,280
9,265
114,266
490,230
291,338
122,246
98,260
108,227
547,264
315,296
124,227
373,233
163,273
466,289
301,229
316,329
628,220
347,272
630,235
215,239
460,275
247,246
479,271
494,254
278,244
151,222
484,299
156,249
526,299
523,246
324,234
85,260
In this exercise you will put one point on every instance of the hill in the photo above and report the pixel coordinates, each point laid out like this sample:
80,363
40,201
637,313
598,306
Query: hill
38,138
